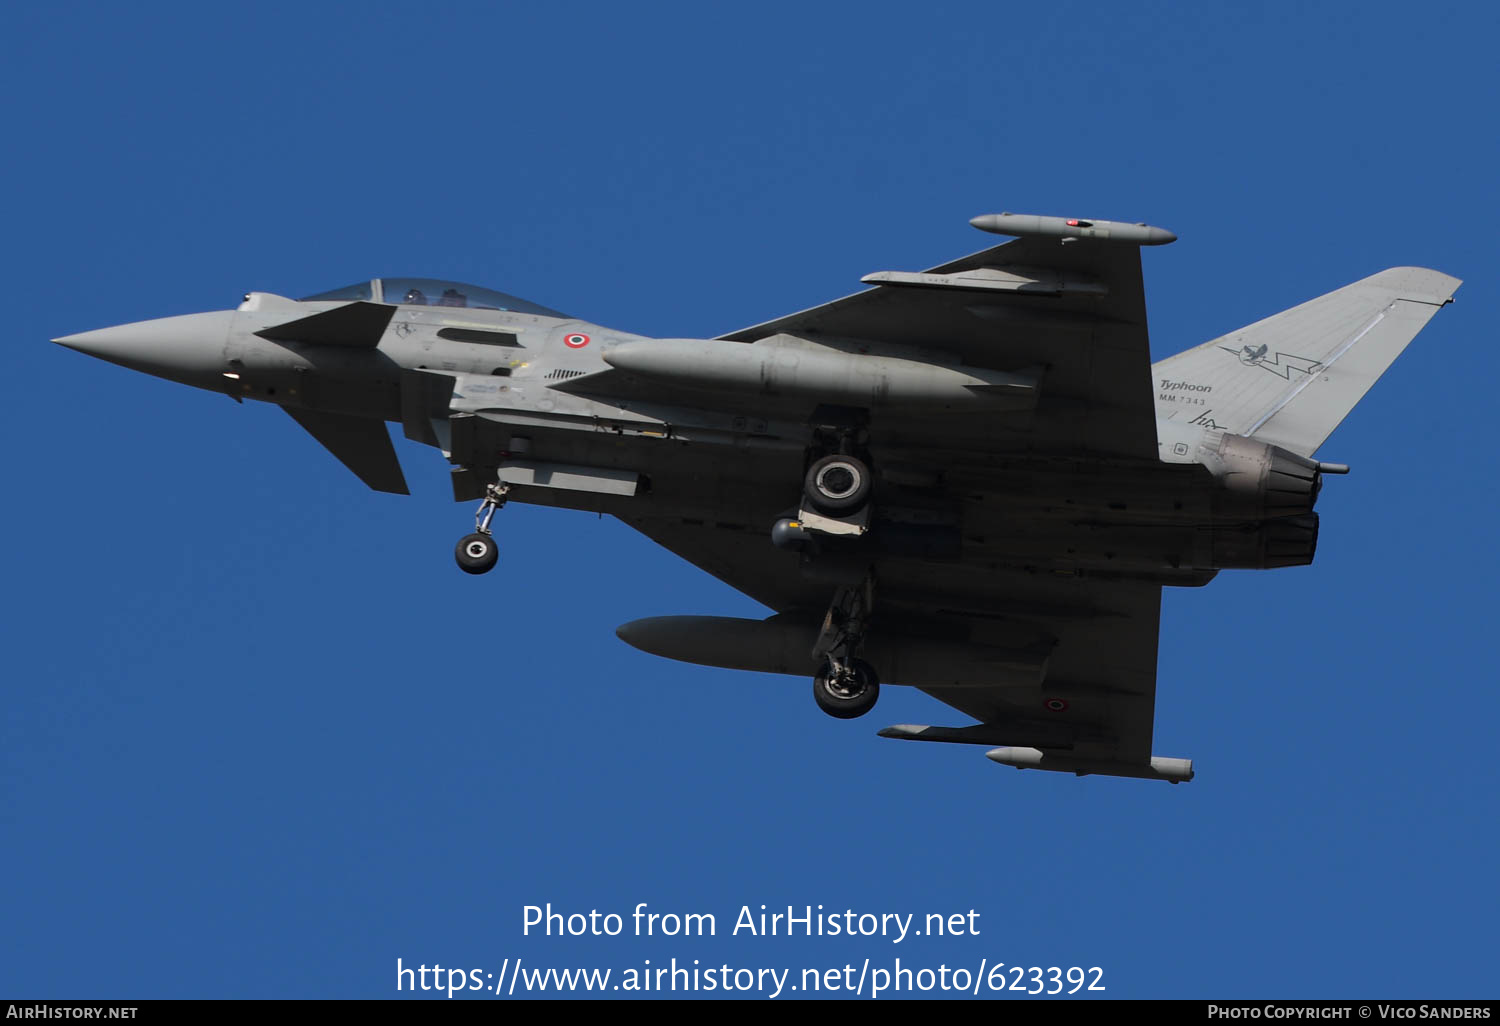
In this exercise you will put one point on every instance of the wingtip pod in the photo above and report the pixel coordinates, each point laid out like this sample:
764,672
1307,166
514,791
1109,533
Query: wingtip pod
1072,228
1176,771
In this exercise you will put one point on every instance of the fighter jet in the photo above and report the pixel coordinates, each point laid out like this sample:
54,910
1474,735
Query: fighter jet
969,480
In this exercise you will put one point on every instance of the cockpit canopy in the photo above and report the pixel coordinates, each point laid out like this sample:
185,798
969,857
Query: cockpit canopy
431,292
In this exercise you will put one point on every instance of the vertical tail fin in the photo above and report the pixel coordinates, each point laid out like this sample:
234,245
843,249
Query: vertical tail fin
1292,378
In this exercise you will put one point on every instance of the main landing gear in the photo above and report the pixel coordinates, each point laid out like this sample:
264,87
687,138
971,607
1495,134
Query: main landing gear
477,553
847,686
835,504
837,486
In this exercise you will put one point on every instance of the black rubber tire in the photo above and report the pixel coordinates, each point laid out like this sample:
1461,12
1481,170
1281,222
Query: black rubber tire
838,484
476,553
847,707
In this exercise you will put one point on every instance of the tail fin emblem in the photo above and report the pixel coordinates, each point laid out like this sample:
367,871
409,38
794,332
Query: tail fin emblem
1281,364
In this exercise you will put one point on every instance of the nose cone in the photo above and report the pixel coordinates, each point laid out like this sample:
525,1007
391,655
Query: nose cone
189,349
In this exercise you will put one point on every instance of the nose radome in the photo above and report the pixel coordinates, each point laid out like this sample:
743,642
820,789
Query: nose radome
189,348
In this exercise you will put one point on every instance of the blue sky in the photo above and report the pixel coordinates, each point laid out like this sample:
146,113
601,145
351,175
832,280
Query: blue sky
261,737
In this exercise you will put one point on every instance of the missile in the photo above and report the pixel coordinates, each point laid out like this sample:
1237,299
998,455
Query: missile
1072,228
1158,768
786,366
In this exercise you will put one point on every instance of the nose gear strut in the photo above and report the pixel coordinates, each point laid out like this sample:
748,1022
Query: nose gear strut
477,553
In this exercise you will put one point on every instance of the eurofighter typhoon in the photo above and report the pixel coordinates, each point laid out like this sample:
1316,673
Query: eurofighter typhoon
969,480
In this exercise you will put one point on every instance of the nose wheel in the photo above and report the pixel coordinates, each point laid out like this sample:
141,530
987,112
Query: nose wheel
477,553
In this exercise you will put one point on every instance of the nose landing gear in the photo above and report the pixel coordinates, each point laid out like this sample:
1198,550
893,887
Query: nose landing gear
477,553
